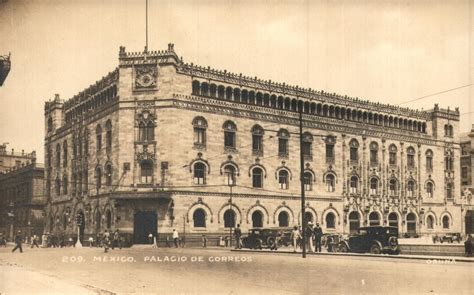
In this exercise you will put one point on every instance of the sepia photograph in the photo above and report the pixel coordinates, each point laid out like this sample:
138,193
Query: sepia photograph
236,147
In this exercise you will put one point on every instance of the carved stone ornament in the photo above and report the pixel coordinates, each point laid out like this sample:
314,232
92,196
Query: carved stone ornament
145,77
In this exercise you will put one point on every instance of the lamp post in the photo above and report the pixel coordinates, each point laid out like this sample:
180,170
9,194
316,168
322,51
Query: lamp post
230,182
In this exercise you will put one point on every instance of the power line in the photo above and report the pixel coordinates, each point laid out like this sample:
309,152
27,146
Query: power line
433,94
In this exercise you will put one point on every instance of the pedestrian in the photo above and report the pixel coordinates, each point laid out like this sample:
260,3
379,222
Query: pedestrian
150,238
168,242
3,241
18,241
309,237
468,246
116,242
106,241
97,240
204,241
318,234
295,236
34,241
175,238
238,235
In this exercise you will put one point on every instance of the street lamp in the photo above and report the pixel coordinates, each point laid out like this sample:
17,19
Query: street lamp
231,183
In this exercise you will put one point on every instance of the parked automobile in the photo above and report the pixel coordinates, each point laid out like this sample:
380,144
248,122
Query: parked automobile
373,239
451,237
257,238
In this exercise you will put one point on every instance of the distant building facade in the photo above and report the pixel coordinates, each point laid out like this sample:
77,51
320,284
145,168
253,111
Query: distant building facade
22,200
467,179
159,144
10,160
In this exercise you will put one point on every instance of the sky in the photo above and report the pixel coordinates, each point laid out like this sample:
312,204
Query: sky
385,51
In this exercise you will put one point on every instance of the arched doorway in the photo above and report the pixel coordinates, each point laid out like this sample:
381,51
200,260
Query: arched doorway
411,223
229,218
283,219
257,219
144,223
354,222
374,218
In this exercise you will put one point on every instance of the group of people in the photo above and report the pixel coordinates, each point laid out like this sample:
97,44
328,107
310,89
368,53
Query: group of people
109,241
313,236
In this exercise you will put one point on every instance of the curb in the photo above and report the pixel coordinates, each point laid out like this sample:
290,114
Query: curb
436,259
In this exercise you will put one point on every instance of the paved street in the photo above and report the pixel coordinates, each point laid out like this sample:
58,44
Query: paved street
219,271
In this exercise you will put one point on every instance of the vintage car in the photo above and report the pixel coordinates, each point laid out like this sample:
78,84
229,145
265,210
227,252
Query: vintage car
257,238
451,237
373,239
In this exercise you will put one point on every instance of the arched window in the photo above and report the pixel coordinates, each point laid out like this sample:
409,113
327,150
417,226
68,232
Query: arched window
307,145
392,156
392,187
445,222
64,222
374,151
108,175
354,222
65,184
199,218
108,219
283,179
411,157
354,184
257,219
257,140
393,219
229,218
374,218
354,150
330,142
50,124
146,172
410,188
65,154
98,178
374,184
200,126
108,135
308,181
330,220
429,160
196,90
429,222
429,189
449,190
58,156
411,223
283,137
257,177
230,175
330,183
229,135
283,219
199,173
98,134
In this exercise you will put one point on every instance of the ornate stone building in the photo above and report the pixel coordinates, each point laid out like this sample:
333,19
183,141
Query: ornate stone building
159,144
467,179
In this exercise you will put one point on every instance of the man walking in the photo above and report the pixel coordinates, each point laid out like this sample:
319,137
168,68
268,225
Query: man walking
295,236
309,237
318,234
18,241
238,235
34,241
175,238
116,242
106,241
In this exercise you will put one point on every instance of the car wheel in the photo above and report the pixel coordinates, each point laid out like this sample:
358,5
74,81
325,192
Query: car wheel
375,249
343,248
270,242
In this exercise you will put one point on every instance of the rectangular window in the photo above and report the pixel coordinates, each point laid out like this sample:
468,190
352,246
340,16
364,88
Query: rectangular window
373,157
411,161
257,180
229,139
307,149
329,153
464,172
99,142
354,156
392,160
199,136
256,143
283,147
429,163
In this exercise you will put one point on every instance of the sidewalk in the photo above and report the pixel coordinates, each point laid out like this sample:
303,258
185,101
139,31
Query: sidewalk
434,259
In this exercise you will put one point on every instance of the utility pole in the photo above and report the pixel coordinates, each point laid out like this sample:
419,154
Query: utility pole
303,217
230,182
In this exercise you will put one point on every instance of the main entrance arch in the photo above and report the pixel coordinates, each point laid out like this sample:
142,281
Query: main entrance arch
144,223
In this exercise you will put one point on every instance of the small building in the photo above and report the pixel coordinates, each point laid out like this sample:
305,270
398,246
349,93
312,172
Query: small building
22,200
